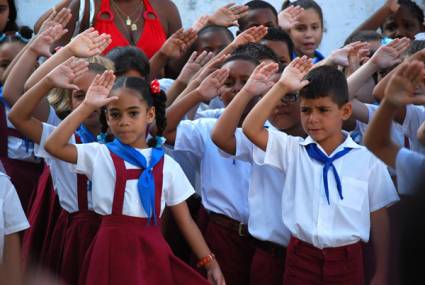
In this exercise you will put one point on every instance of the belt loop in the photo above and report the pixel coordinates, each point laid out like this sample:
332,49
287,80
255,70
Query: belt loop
241,230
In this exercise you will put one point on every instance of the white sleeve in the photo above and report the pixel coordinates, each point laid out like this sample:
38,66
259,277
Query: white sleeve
53,118
189,137
382,192
410,167
244,147
177,187
39,149
13,214
87,156
414,117
279,145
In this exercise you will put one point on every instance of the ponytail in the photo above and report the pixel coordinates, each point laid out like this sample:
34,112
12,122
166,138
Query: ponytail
159,102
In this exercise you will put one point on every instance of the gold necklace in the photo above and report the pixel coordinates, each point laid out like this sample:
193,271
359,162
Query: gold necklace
128,22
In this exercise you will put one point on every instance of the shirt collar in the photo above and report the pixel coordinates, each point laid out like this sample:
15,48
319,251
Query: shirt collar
348,142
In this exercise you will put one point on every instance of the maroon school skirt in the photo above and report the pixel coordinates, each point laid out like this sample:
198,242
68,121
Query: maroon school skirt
82,228
128,251
42,216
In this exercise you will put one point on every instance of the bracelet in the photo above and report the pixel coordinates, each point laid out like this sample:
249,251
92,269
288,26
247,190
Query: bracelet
205,260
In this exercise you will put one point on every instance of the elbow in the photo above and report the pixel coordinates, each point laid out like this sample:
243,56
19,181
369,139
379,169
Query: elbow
15,119
247,130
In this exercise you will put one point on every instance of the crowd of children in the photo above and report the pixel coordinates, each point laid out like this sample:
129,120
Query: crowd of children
196,156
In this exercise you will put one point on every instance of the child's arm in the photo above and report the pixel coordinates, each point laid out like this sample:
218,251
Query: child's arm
174,48
12,259
97,96
380,232
377,19
260,81
196,241
14,87
208,89
21,113
399,93
88,43
192,66
38,26
291,80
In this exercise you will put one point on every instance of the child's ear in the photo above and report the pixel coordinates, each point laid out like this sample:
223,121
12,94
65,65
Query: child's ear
346,111
150,116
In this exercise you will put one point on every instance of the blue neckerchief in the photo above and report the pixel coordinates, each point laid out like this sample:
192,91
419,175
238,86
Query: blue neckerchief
85,135
317,56
315,153
146,183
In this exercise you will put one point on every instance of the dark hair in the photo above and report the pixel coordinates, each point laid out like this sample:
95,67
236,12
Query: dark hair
23,35
415,46
11,25
414,9
129,58
158,101
256,51
364,36
216,29
242,56
326,81
306,4
277,34
255,5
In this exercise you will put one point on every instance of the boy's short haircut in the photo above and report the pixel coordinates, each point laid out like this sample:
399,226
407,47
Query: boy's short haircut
257,51
242,56
254,5
326,81
363,36
216,28
277,34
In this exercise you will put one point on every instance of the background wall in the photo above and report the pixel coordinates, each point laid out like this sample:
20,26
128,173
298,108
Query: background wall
341,16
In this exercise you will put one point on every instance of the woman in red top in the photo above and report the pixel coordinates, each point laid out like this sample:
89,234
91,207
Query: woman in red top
143,23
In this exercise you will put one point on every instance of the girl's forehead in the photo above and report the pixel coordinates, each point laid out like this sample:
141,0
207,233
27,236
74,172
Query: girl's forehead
240,66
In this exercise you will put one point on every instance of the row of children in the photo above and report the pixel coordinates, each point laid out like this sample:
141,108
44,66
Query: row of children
287,195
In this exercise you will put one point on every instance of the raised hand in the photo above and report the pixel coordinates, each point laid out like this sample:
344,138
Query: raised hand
293,75
56,18
98,92
210,86
261,80
200,23
340,56
211,66
193,65
392,5
43,41
356,56
228,15
289,17
251,35
63,75
389,55
88,43
403,84
179,42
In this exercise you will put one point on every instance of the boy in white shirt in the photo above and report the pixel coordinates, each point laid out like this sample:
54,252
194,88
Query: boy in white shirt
334,188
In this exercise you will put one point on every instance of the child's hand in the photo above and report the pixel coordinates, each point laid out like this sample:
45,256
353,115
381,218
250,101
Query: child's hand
389,55
63,75
228,15
261,79
214,274
200,23
392,5
179,42
289,17
293,75
98,92
56,18
252,35
193,65
402,86
210,87
340,56
210,67
356,56
43,41
88,43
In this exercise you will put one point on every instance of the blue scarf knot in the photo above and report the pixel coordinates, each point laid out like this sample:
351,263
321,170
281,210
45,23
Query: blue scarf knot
315,153
85,135
146,182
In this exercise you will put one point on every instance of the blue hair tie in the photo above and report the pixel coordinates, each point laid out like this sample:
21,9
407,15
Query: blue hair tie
21,38
160,141
386,40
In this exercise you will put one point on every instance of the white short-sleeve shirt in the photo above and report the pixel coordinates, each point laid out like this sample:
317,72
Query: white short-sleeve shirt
224,181
64,179
94,160
410,167
12,216
415,116
264,196
366,187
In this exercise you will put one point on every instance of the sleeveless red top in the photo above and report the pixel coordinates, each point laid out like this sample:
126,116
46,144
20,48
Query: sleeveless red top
153,35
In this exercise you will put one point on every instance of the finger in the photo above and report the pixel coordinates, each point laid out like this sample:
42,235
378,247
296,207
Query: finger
81,72
304,83
228,5
201,58
72,87
110,79
271,69
62,16
194,56
52,14
240,9
66,20
70,61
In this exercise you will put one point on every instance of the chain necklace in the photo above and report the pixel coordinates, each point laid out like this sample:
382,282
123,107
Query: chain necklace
128,22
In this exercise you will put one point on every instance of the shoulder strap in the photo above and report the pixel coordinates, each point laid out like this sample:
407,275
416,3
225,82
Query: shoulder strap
81,13
158,174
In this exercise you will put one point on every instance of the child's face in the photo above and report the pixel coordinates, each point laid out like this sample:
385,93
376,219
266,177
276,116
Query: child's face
258,17
4,14
8,51
129,116
322,118
239,73
402,24
307,33
212,41
286,115
280,49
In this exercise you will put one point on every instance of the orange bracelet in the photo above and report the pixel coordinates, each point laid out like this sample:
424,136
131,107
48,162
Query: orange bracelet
205,260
